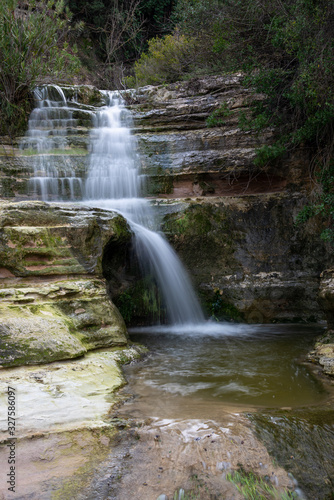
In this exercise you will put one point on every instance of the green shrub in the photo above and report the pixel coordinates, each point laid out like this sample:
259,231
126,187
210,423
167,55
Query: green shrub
216,119
33,50
166,60
253,487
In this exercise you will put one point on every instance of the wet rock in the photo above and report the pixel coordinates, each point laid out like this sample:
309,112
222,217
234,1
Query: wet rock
326,296
323,353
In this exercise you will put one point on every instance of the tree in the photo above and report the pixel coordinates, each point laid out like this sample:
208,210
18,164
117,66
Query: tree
33,50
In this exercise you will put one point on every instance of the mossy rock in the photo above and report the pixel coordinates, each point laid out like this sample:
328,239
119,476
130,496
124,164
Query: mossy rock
58,320
42,336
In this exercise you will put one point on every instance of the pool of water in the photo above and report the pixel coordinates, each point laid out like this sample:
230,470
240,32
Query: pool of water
241,365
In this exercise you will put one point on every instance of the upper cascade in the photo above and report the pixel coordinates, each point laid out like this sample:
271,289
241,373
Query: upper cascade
113,172
51,123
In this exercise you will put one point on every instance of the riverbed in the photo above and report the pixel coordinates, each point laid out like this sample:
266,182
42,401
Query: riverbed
204,401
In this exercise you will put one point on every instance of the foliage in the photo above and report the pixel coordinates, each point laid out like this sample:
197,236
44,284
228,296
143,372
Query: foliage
166,60
216,119
122,25
323,205
253,487
125,305
221,310
286,51
33,49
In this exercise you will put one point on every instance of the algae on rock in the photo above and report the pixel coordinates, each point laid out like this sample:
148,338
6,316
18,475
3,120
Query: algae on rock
54,301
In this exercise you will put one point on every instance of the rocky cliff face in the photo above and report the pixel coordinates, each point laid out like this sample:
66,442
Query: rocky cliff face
248,258
54,303
324,348
183,157
232,223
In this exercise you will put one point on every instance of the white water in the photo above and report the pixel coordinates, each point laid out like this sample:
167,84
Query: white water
48,127
114,182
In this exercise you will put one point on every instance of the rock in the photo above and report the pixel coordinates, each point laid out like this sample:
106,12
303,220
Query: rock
326,296
323,353
54,303
178,150
67,395
41,239
247,257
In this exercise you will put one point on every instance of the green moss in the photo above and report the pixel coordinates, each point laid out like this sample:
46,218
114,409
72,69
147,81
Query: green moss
160,184
141,303
219,308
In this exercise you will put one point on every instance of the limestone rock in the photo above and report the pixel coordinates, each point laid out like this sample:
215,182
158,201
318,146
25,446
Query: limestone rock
247,255
54,304
326,296
41,239
324,348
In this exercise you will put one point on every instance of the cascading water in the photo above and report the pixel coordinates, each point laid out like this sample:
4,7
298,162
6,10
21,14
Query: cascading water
49,124
114,182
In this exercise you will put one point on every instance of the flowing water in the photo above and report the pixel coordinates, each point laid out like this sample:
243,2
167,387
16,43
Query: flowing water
114,182
196,371
49,125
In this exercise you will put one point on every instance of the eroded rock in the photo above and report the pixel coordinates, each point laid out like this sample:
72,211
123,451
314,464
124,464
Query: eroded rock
54,303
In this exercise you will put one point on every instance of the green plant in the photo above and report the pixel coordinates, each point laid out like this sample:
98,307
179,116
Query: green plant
125,305
322,205
216,119
166,60
34,49
253,487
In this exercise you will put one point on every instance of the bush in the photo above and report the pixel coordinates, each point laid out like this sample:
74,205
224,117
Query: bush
166,60
33,50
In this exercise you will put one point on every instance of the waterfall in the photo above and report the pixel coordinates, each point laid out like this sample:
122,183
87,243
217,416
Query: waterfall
113,182
48,128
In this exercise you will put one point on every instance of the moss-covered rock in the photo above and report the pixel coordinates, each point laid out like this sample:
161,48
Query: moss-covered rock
59,308
249,253
40,239
323,352
33,337
59,320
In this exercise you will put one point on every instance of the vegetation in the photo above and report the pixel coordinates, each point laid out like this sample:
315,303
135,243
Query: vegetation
253,487
166,59
284,49
34,49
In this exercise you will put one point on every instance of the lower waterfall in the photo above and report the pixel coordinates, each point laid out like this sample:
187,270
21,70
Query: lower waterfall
114,182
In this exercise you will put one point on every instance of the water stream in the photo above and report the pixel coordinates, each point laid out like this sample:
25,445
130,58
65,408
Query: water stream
113,182
49,125
196,369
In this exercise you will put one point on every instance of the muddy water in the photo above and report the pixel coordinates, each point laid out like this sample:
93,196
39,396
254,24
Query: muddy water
231,364
193,398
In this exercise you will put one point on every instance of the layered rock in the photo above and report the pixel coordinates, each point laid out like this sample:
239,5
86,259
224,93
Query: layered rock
247,256
54,302
19,161
183,157
324,348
